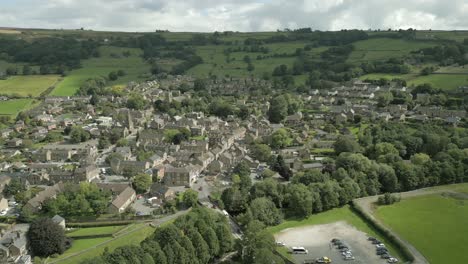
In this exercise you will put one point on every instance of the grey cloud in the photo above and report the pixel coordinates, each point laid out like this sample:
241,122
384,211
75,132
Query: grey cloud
241,15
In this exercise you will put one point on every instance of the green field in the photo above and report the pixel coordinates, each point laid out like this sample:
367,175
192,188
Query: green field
384,48
338,214
136,234
30,85
14,106
435,225
134,66
443,81
90,231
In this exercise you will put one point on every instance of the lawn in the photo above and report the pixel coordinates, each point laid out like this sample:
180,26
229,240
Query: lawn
338,214
435,225
138,233
90,231
29,85
111,59
14,106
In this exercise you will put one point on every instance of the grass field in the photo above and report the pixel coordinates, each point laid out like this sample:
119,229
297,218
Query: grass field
435,225
443,81
13,107
338,214
384,48
133,65
89,231
137,233
31,85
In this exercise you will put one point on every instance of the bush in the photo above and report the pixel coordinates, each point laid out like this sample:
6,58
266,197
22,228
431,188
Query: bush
387,199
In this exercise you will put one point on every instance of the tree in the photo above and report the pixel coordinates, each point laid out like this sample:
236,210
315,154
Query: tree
384,99
113,76
265,211
27,70
103,142
78,134
250,67
46,237
142,182
281,138
281,167
190,198
261,152
278,109
345,144
199,85
137,102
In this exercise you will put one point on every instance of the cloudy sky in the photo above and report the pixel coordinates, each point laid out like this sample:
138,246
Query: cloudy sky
237,15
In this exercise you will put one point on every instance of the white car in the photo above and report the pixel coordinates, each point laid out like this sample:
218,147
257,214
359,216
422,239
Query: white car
380,245
392,260
3,212
280,244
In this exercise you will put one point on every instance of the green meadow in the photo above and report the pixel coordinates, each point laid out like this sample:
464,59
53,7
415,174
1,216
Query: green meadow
29,85
436,225
111,59
14,106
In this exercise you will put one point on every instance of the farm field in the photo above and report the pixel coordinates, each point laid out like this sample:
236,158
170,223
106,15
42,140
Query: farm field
332,216
132,235
30,85
384,48
14,106
443,215
443,81
134,66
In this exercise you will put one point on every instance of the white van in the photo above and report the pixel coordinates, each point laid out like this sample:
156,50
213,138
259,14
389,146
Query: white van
299,250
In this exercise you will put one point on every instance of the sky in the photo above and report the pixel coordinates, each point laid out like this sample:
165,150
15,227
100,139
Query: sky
235,15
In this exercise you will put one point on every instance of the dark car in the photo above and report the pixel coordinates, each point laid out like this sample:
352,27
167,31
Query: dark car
371,238
375,242
334,240
385,256
381,252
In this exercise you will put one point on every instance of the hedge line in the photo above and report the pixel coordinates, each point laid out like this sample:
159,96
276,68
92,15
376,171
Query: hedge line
384,231
90,236
99,224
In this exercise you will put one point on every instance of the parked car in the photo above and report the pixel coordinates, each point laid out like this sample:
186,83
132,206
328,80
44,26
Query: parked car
392,260
334,240
323,260
280,244
3,212
371,238
385,256
349,257
376,242
380,245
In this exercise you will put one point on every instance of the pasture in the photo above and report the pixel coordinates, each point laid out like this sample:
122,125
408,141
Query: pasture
443,81
111,59
383,48
14,106
29,85
435,224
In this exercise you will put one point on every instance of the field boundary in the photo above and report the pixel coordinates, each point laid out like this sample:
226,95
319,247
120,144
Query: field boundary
393,238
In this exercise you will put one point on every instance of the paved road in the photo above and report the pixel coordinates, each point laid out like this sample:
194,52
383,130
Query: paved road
367,205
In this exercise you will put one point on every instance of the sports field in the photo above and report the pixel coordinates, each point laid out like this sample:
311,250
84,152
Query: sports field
435,224
29,85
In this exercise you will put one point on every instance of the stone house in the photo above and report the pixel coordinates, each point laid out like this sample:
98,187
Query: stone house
122,201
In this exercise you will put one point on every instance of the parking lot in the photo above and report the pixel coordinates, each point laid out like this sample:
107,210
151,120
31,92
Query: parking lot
316,239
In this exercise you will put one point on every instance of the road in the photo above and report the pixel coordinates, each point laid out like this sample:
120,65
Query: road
367,205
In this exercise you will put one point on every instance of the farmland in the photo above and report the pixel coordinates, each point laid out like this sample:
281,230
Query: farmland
412,218
111,59
30,85
13,107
